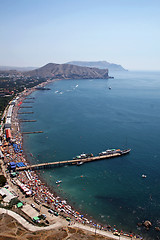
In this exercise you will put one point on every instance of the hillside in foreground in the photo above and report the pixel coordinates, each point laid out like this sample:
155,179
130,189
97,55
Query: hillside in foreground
10,229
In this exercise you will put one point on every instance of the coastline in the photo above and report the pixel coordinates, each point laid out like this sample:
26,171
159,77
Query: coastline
77,220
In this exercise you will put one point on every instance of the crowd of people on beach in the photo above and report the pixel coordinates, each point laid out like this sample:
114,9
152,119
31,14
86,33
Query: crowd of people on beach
38,190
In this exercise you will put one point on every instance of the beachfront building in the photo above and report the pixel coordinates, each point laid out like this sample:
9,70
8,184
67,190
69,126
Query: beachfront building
6,194
8,123
12,167
8,134
9,112
8,117
1,155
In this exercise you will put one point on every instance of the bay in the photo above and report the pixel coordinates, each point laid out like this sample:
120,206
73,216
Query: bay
85,116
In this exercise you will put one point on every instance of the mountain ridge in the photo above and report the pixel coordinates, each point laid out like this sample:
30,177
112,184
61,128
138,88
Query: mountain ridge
99,64
67,71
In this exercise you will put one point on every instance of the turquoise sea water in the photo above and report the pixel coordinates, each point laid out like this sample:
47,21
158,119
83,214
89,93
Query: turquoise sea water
85,116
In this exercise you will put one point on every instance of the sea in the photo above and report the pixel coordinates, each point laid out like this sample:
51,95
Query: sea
91,116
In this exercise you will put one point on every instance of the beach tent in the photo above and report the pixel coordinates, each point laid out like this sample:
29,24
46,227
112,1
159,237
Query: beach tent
13,174
25,189
20,204
29,192
36,219
12,166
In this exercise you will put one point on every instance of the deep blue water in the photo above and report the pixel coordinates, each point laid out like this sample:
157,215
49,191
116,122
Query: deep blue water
91,118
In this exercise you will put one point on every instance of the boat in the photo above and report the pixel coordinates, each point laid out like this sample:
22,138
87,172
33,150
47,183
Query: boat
58,181
109,88
114,151
83,156
125,151
79,163
77,157
108,151
144,176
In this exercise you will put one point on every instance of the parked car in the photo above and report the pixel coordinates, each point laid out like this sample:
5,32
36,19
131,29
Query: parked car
37,209
56,213
42,216
51,211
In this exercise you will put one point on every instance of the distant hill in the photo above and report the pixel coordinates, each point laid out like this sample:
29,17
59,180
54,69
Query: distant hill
99,64
21,69
68,71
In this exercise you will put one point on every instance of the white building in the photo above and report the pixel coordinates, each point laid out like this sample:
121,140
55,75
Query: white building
8,123
7,195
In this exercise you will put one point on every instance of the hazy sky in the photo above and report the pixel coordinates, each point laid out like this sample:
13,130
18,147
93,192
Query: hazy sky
36,32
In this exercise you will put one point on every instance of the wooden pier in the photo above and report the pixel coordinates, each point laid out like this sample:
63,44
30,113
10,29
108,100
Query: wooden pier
22,120
25,112
29,98
28,102
26,107
32,132
71,162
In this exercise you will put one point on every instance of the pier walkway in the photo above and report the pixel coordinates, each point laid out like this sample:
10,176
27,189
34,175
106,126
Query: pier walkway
26,107
23,120
32,132
71,162
25,112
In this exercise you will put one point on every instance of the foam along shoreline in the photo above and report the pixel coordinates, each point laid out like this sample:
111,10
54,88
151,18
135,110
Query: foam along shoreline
41,194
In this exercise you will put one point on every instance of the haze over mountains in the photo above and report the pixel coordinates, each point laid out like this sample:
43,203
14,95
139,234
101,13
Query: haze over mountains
21,69
91,64
99,64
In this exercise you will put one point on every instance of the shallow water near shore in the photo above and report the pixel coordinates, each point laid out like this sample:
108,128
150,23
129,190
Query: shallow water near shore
85,116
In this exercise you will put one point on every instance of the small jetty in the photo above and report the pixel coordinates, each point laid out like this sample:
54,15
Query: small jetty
25,112
29,98
32,132
22,120
26,107
28,102
72,162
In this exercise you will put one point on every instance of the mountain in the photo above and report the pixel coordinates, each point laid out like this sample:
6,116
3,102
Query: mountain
99,64
67,71
21,69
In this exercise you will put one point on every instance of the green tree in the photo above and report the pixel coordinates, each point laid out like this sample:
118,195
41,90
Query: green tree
3,180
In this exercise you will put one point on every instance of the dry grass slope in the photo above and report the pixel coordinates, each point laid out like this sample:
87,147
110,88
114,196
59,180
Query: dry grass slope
11,230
